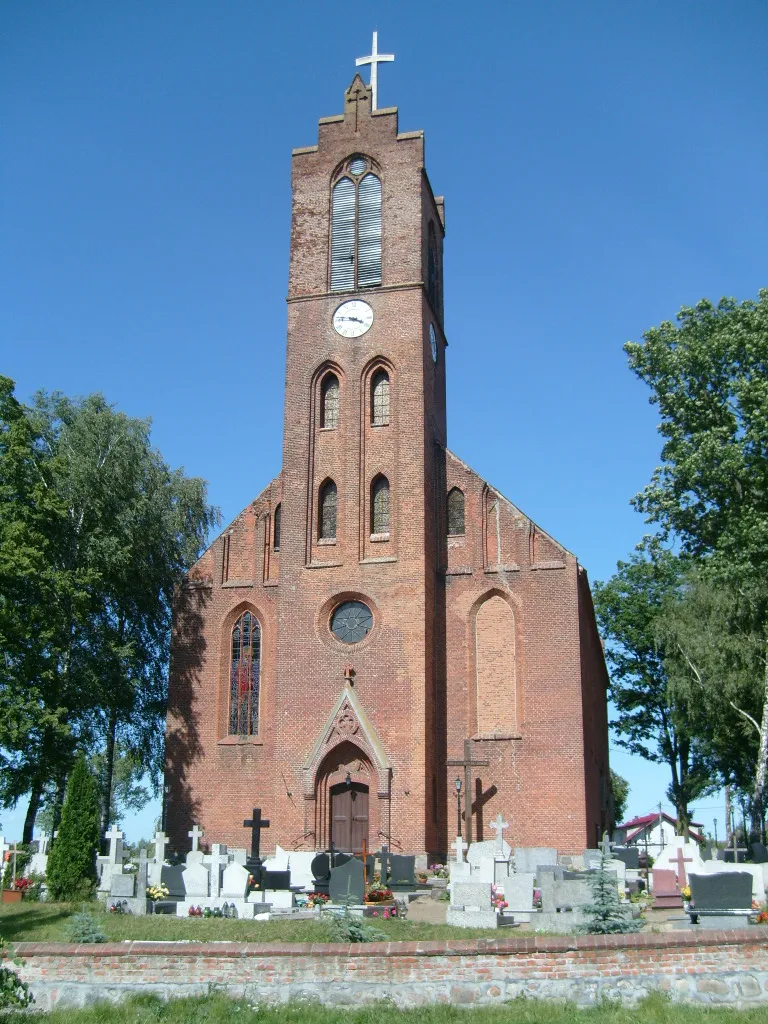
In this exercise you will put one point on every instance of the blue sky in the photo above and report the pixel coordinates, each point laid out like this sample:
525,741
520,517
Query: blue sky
602,163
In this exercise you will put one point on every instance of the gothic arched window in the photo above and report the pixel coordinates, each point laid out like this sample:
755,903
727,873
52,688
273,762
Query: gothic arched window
327,509
276,527
456,513
380,506
380,398
244,677
356,227
329,401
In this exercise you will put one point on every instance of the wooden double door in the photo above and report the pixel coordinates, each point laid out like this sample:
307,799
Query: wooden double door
349,816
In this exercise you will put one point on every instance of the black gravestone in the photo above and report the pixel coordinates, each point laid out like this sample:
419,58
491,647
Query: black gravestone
630,855
727,890
401,872
275,879
347,884
759,853
321,872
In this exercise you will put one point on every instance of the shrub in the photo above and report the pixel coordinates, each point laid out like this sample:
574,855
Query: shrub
14,993
606,914
71,872
83,928
348,927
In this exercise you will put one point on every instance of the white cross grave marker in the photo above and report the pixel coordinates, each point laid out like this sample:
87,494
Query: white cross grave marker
219,856
374,60
499,826
115,837
195,835
161,841
459,845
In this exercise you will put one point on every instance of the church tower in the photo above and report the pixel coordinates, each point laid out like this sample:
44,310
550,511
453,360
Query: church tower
379,613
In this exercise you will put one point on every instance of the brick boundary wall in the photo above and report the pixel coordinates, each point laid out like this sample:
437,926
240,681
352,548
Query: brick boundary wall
718,967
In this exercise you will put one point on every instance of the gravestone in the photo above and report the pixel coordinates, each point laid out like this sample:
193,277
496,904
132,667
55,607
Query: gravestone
706,853
300,866
470,906
593,859
122,886
196,835
666,894
275,879
321,872
155,871
195,877
759,853
630,855
173,879
347,883
278,861
459,847
401,872
518,892
219,859
486,870
239,855
725,890
142,874
528,858
487,848
500,826
234,882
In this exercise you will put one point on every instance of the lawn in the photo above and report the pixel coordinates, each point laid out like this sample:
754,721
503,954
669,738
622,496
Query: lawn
216,1009
48,922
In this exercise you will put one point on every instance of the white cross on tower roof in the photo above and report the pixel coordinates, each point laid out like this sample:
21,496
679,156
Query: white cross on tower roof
374,60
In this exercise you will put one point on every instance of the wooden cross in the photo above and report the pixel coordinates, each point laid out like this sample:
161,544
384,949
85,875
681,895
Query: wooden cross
467,764
256,823
195,835
459,846
499,826
681,862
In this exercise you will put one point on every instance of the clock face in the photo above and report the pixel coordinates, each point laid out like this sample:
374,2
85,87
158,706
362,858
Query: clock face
433,342
352,319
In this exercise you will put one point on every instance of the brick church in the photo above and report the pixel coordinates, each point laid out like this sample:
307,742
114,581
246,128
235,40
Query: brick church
378,604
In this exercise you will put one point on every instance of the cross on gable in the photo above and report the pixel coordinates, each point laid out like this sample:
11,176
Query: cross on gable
459,846
195,835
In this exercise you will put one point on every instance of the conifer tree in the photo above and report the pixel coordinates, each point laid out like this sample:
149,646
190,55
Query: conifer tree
606,914
71,871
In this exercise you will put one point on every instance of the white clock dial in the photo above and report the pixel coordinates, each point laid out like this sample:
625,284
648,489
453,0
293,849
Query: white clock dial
433,342
353,318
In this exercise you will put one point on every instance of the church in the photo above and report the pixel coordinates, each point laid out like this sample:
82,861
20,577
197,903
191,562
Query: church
381,648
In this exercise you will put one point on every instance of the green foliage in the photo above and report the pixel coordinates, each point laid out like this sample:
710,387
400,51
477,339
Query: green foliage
72,861
620,790
348,927
83,928
14,993
607,915
652,719
22,859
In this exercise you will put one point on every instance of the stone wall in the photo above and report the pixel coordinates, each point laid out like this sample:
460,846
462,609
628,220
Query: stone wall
728,967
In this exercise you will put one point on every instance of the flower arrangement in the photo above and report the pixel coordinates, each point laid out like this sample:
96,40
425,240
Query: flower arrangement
317,899
157,892
439,870
685,892
386,913
497,899
378,894
22,885
421,877
762,917
537,900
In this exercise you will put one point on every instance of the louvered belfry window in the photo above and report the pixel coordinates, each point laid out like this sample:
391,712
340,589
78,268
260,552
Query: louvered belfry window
356,228
245,676
456,512
380,506
329,401
380,398
329,502
276,529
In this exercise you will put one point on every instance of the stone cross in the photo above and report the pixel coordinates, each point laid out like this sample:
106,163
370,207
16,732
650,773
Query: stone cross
467,764
681,862
499,826
115,837
142,873
459,846
374,60
195,835
219,856
605,846
255,823
161,841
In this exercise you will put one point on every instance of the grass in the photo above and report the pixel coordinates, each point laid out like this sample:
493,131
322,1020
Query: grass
217,1009
48,922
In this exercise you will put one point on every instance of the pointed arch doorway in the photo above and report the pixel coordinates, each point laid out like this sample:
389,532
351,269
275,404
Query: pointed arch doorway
349,816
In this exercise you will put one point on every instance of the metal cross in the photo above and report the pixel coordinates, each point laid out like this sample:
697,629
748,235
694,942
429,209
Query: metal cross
467,764
255,823
195,835
374,60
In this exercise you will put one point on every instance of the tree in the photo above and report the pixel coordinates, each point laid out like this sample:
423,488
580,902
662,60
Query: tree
71,873
709,377
620,790
651,720
606,914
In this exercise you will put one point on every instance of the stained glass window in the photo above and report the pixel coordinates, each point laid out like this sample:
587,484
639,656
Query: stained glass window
380,398
380,505
276,529
456,512
329,401
351,622
328,507
245,676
